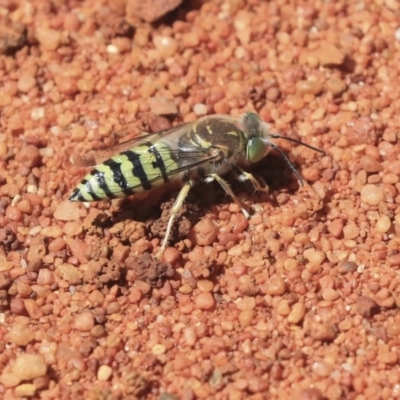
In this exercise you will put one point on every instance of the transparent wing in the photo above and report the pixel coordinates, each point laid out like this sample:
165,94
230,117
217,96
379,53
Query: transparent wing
96,157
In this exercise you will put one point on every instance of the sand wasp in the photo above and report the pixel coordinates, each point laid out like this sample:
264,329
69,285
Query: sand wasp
199,151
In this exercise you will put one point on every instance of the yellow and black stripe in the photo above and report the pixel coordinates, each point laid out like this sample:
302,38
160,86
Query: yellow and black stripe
137,169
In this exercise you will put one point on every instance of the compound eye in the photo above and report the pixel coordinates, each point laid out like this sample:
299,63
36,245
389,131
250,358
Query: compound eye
256,149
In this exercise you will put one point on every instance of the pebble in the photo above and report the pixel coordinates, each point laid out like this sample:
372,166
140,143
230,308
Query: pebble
158,349
204,285
69,273
336,86
370,165
3,149
322,368
366,306
13,213
200,109
204,233
104,373
29,156
315,257
329,294
246,317
20,334
162,106
67,85
29,366
49,39
329,54
372,194
33,309
166,45
204,301
322,331
388,357
383,224
85,85
25,390
112,49
294,102
335,228
26,83
275,286
190,336
84,321
308,87
351,231
297,313
67,211
149,11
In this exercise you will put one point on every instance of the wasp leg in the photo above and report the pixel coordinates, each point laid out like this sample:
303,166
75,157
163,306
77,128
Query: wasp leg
228,190
258,183
174,211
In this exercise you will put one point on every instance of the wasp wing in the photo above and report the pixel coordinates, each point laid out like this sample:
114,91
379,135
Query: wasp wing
96,157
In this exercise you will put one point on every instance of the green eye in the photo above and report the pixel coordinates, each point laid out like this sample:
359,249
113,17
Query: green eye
256,149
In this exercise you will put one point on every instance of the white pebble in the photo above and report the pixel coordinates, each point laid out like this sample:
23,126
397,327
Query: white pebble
200,109
112,49
37,113
397,34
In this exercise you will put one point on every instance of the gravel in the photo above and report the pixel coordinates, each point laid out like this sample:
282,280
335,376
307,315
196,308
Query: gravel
299,301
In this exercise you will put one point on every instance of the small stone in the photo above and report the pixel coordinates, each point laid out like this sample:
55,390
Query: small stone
20,334
149,10
67,211
158,349
370,165
204,233
165,45
29,366
335,228
26,83
84,322
25,390
329,294
275,286
366,306
297,313
351,231
383,224
372,194
336,86
322,331
104,373
347,266
49,39
112,49
204,301
29,156
69,273
329,54
308,87
162,106
33,309
246,317
10,38
200,109
388,357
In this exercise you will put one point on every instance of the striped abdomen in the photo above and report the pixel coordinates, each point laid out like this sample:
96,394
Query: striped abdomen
139,168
